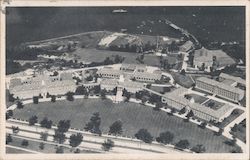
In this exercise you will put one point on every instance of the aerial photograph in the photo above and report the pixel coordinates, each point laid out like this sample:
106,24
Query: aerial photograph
125,80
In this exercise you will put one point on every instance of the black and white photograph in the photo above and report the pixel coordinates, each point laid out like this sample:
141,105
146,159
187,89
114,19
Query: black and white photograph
133,80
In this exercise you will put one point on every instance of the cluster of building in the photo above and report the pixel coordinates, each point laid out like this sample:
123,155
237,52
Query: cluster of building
205,58
131,72
42,85
226,88
177,100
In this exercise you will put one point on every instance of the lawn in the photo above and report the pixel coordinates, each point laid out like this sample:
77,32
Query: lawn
241,131
34,146
16,151
183,80
213,104
198,99
236,113
133,116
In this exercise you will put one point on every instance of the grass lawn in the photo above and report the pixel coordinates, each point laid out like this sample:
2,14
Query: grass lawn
34,146
183,80
16,151
134,117
213,104
198,99
236,113
241,131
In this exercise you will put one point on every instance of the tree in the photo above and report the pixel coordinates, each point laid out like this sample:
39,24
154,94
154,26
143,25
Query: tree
81,90
41,145
9,114
63,125
89,78
70,96
143,100
53,98
107,145
75,140
59,149
182,111
103,93
77,150
46,123
32,120
94,124
199,148
183,72
203,67
158,106
116,128
144,135
20,105
190,114
15,129
8,139
11,97
44,136
97,89
165,137
126,94
203,125
25,143
35,99
236,149
182,144
59,137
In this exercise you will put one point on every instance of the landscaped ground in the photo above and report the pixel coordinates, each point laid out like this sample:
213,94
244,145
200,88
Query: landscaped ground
213,104
133,116
184,80
34,146
198,99
241,131
15,151
236,113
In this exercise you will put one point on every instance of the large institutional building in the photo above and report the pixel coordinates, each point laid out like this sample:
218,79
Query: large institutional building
222,89
177,100
41,85
205,57
130,71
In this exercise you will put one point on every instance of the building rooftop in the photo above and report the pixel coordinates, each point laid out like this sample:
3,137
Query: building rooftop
229,77
178,95
205,55
220,85
147,75
109,71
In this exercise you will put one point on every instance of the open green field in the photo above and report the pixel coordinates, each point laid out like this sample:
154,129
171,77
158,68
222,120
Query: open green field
214,104
16,151
197,98
95,55
134,117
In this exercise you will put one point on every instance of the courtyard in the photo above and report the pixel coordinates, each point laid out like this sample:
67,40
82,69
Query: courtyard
134,117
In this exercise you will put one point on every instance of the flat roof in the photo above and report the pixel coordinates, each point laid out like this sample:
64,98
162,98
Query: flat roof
205,55
220,85
176,95
237,79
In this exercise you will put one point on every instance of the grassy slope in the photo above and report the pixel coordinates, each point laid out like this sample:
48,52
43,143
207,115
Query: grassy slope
133,116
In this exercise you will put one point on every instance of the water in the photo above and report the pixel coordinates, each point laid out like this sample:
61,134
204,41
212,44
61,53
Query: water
206,23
